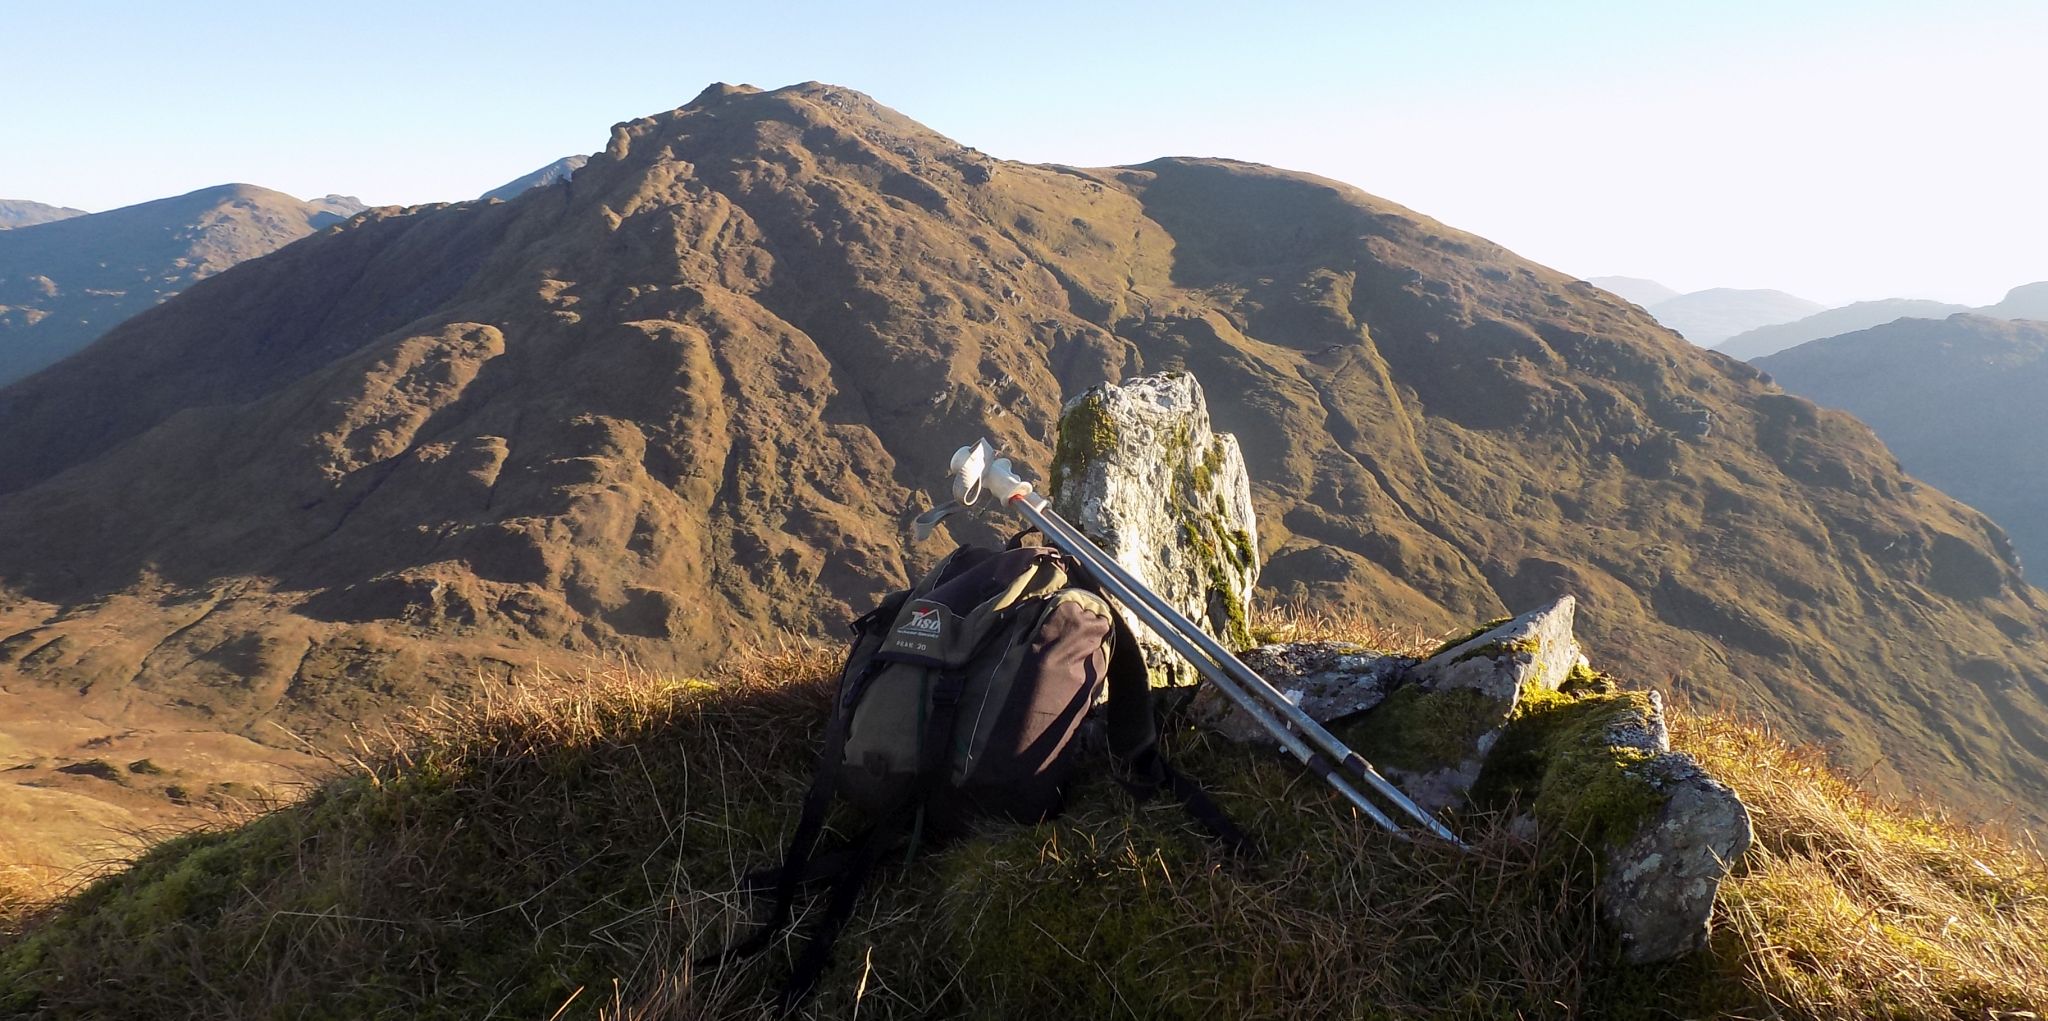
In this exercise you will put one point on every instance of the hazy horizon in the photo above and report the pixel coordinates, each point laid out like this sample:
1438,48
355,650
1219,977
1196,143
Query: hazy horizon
1840,152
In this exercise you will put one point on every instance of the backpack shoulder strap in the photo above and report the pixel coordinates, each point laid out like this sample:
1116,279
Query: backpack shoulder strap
796,868
1134,742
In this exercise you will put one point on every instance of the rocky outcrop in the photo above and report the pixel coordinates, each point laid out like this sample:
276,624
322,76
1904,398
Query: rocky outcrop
1139,470
1474,686
1328,680
1657,886
1431,721
1512,717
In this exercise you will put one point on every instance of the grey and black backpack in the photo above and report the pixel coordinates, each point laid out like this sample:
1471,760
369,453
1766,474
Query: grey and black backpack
964,698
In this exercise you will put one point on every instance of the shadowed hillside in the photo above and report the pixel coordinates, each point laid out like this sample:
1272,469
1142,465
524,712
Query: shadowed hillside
1959,399
1835,321
23,213
695,394
64,283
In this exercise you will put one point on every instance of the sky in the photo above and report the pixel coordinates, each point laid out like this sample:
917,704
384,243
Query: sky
1839,151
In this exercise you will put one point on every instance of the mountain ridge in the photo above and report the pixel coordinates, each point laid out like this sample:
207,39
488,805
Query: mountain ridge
1861,315
1711,316
24,213
63,283
560,170
697,397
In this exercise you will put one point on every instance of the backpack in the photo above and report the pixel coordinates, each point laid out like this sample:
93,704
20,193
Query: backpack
963,698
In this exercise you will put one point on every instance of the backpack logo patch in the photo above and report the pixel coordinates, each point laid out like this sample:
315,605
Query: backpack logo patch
923,623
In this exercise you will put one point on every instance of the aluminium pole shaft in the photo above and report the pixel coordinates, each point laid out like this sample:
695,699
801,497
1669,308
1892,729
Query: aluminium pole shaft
1288,739
1224,660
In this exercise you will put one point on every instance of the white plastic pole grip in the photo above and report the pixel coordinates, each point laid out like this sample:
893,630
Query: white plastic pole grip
1002,482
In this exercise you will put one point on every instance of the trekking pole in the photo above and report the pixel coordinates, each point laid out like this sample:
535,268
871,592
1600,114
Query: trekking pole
1126,587
973,470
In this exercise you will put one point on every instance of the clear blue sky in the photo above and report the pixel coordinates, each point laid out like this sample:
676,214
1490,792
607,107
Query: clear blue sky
1837,150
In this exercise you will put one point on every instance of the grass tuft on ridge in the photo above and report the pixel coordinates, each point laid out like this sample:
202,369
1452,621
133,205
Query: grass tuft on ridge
563,848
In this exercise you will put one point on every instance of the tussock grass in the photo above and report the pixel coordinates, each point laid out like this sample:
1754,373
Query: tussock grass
564,847
1304,623
1853,906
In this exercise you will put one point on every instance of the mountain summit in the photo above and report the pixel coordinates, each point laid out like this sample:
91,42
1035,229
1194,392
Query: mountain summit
694,395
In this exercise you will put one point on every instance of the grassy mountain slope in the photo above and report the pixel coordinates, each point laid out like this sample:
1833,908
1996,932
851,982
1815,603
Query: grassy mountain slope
562,851
695,395
1959,400
64,283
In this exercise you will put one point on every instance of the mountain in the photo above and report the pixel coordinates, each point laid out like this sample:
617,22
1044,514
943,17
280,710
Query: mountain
1958,399
2027,301
695,399
559,170
23,213
1636,289
64,283
1835,321
1711,316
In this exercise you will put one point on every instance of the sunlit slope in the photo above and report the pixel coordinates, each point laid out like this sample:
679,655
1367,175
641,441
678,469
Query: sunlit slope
693,396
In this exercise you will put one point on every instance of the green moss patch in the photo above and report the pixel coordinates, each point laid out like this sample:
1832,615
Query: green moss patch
1467,636
1554,759
1087,433
1527,646
1417,729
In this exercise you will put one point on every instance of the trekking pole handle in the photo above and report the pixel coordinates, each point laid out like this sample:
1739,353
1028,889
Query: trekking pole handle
1002,482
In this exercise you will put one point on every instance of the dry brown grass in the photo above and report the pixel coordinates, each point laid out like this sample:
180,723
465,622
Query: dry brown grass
564,847
1854,906
1299,622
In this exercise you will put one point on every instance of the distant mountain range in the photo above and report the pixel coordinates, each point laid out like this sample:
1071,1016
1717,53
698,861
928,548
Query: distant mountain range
1636,289
2027,301
23,213
560,170
1958,399
1749,324
1711,316
1862,315
66,281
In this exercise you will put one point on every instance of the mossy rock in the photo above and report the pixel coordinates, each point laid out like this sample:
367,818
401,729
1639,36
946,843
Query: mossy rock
1559,759
1419,730
1086,433
1138,469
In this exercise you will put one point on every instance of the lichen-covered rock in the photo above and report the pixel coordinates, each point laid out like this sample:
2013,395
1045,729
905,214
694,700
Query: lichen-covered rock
1537,647
1512,715
1657,887
1594,764
1138,469
1330,681
1432,735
